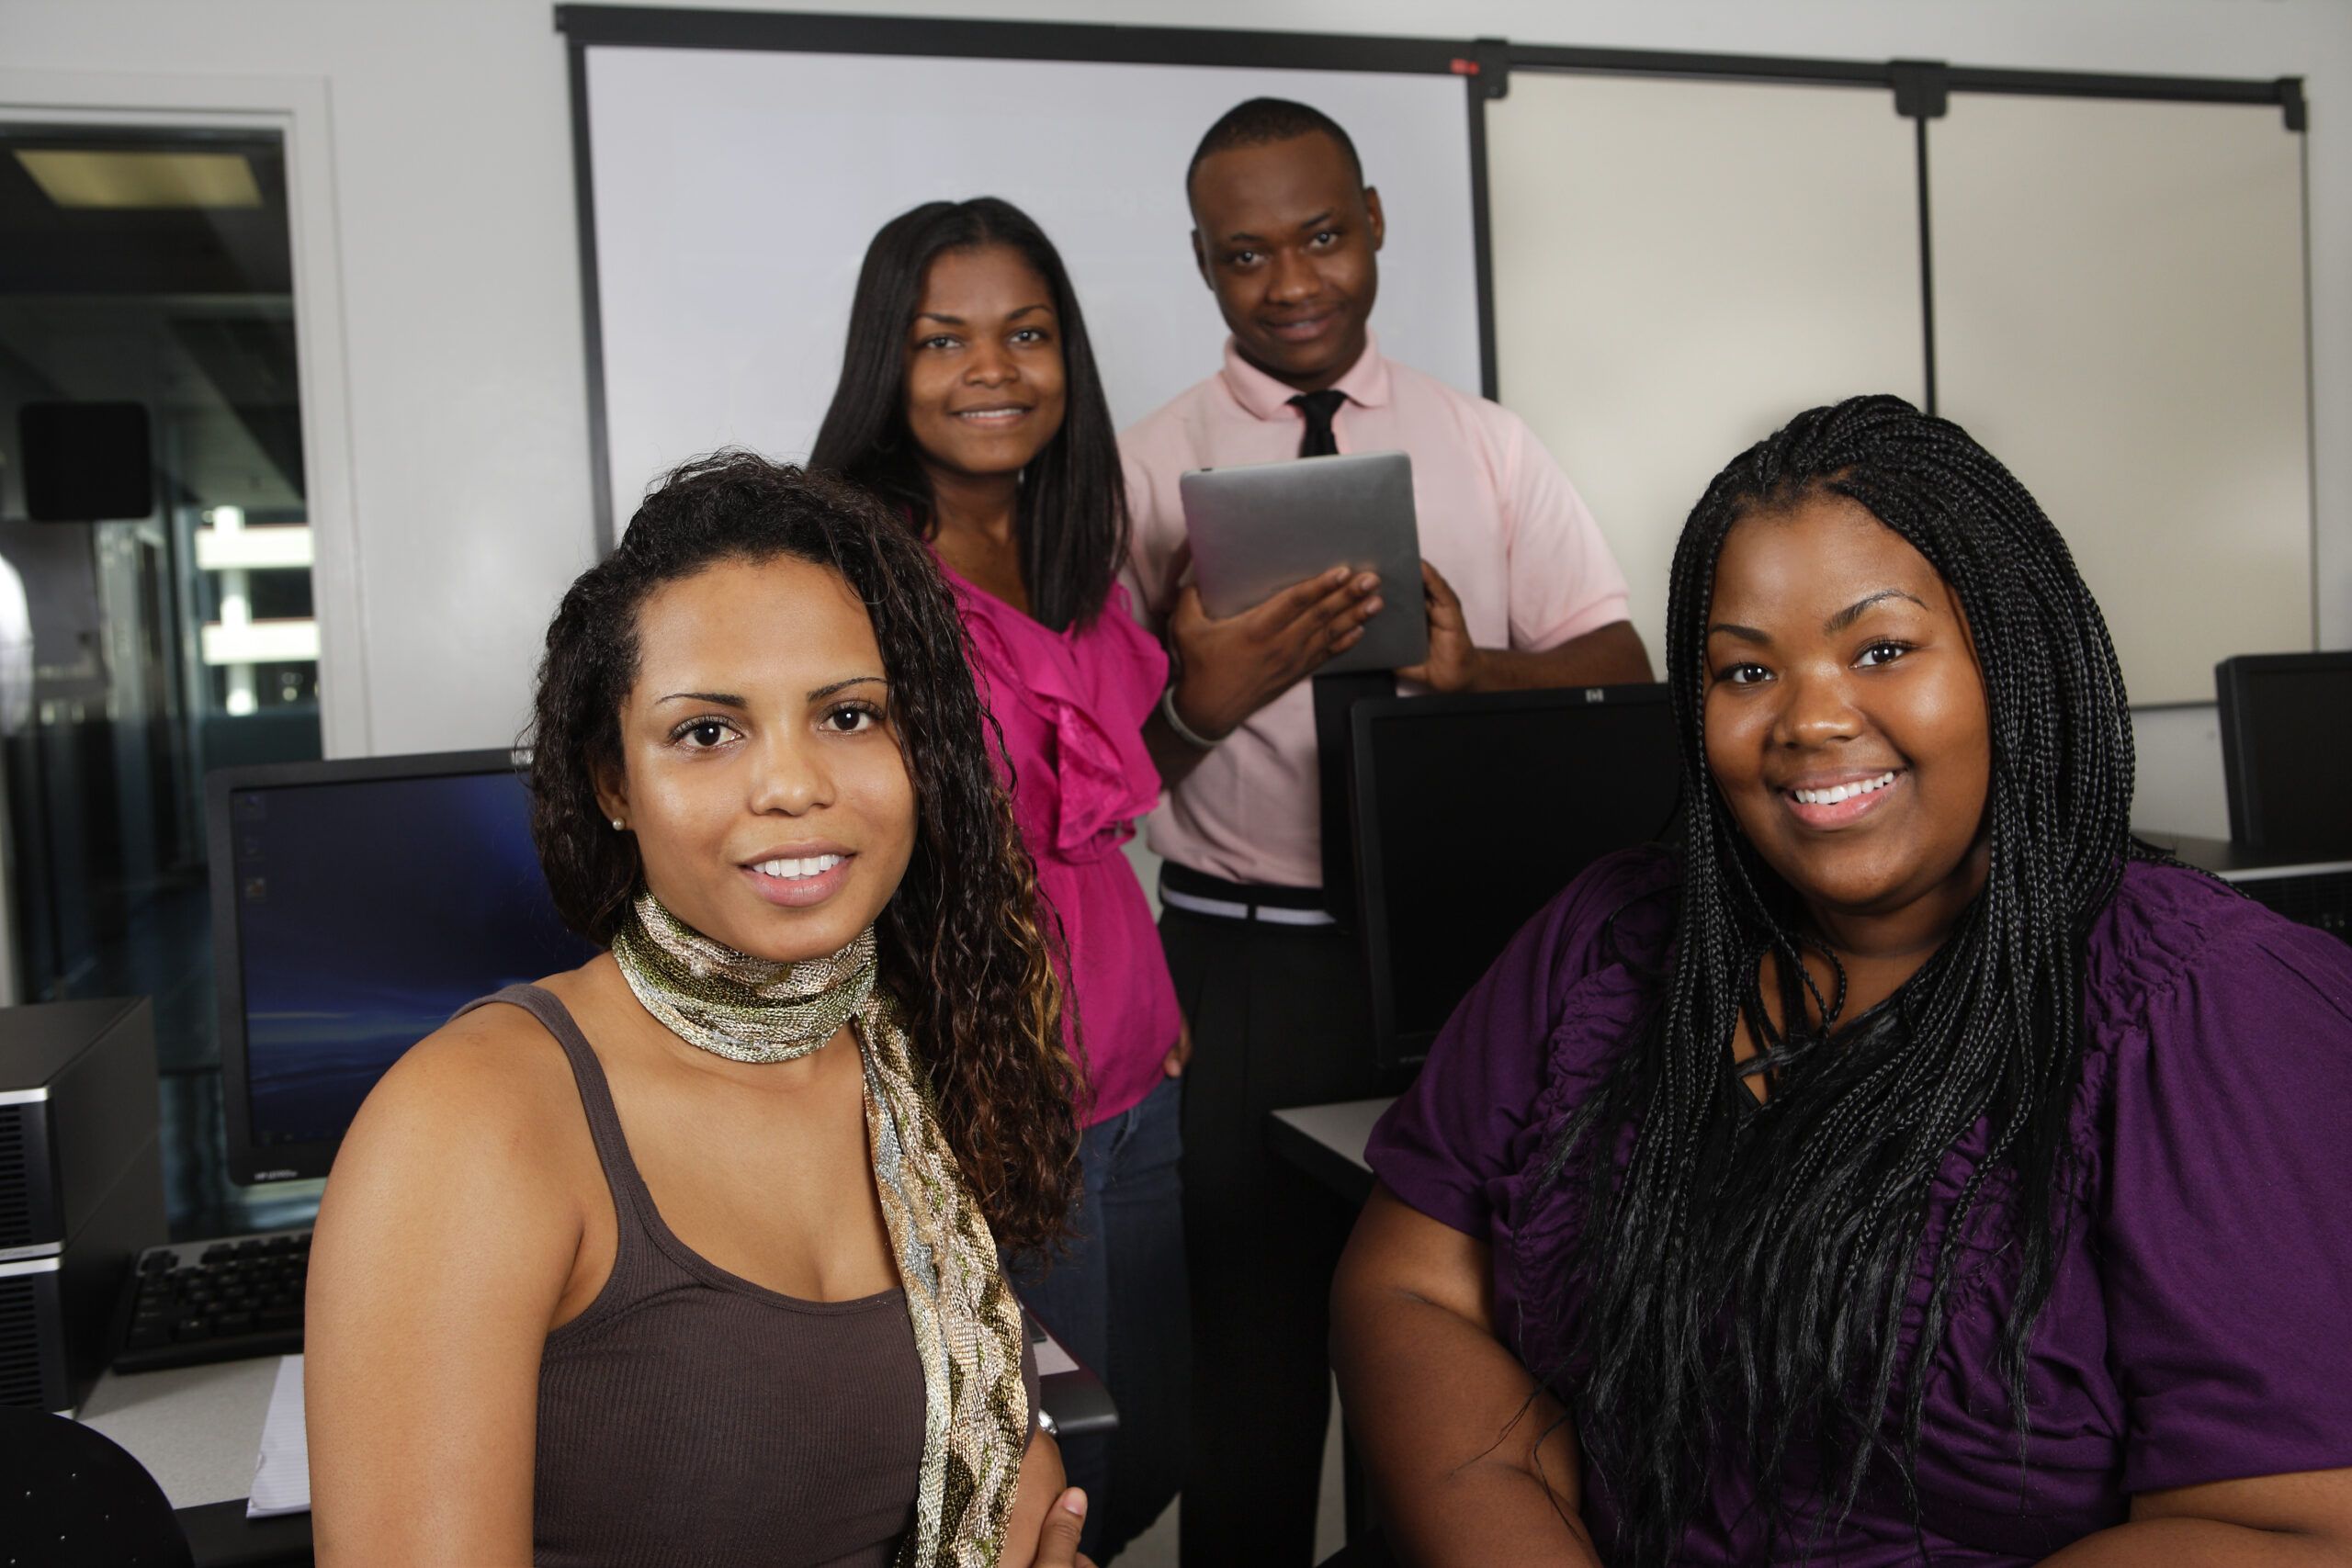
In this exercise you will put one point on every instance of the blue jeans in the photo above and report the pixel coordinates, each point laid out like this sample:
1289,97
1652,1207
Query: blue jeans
1118,1301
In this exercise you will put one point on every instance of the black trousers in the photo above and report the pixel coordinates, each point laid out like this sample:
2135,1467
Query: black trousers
1278,1018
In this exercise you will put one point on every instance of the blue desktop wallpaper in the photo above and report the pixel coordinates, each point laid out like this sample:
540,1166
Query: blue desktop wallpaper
368,913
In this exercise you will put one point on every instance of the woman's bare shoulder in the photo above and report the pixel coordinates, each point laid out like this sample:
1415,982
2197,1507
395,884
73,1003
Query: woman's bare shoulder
489,1086
472,1147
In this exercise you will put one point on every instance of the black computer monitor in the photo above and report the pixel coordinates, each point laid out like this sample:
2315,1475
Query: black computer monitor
355,905
1472,813
2287,752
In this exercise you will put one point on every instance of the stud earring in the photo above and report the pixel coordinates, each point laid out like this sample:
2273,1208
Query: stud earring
619,825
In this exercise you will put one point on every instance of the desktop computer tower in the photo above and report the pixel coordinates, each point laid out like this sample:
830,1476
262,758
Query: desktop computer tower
2313,891
81,1187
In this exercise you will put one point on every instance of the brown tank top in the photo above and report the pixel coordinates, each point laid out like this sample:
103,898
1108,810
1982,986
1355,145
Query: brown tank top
689,1417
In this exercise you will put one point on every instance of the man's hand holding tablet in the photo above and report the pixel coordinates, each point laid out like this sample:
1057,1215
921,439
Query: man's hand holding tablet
1291,561
1455,663
1232,667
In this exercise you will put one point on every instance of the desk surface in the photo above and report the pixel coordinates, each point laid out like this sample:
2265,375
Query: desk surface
1327,1143
197,1429
1344,1128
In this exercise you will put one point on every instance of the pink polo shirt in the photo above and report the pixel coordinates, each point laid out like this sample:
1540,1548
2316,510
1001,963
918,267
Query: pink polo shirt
1497,517
1072,706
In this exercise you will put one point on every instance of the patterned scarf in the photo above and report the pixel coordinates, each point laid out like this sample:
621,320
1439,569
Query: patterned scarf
968,1324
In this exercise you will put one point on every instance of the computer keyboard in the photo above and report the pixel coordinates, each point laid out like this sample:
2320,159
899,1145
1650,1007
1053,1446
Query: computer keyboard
213,1300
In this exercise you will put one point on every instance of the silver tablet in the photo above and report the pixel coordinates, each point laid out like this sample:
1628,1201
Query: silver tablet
1258,528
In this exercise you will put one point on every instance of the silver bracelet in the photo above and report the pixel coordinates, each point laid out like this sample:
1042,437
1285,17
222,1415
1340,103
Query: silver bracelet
1184,732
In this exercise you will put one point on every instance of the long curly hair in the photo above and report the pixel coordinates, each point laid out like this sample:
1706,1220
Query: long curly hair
1072,527
1743,1275
963,950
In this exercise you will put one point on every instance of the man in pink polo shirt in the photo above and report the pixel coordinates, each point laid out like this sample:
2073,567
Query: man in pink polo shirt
1522,591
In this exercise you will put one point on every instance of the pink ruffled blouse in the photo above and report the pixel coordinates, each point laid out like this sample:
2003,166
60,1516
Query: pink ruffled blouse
1072,706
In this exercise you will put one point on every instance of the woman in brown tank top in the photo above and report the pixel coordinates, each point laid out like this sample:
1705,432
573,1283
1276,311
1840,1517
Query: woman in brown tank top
688,1256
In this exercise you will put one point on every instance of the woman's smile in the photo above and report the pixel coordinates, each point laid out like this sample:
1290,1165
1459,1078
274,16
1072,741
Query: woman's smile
996,415
800,878
1840,800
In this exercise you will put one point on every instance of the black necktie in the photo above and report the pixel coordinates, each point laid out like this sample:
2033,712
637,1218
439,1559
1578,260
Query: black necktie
1334,695
1318,408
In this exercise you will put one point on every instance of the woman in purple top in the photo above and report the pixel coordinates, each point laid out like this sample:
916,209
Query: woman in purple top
1911,1167
969,399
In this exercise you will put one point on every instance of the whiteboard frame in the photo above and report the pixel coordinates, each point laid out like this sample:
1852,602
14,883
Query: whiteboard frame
1922,93
588,26
1921,89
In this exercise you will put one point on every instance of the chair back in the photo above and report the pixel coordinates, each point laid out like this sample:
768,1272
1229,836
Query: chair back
72,1497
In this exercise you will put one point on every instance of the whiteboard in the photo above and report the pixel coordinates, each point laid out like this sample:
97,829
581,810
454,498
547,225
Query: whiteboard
735,192
1680,266
2119,317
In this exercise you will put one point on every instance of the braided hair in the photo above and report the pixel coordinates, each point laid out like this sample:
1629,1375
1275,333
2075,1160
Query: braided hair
1744,1270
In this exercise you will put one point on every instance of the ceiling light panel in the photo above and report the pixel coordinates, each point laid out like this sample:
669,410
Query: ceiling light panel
125,180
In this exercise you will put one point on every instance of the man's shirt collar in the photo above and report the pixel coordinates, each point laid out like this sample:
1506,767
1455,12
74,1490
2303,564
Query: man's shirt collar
1367,382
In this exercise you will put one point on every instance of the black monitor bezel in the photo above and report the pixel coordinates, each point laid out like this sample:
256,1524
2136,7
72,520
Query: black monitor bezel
248,1166
2233,681
1398,1052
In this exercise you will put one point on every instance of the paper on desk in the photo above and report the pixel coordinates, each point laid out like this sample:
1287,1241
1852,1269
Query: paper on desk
282,1474
1053,1358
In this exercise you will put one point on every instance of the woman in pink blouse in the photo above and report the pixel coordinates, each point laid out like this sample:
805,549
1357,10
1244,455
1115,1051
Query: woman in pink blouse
969,399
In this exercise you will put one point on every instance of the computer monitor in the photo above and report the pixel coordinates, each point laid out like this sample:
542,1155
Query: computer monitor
357,905
2287,752
1472,813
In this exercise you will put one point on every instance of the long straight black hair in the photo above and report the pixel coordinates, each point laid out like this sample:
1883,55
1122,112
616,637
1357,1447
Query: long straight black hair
1073,510
1740,1281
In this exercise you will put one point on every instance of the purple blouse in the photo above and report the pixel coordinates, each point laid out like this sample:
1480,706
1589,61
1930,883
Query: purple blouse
2200,1324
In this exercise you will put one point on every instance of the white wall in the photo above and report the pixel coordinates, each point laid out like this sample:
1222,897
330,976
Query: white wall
451,138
